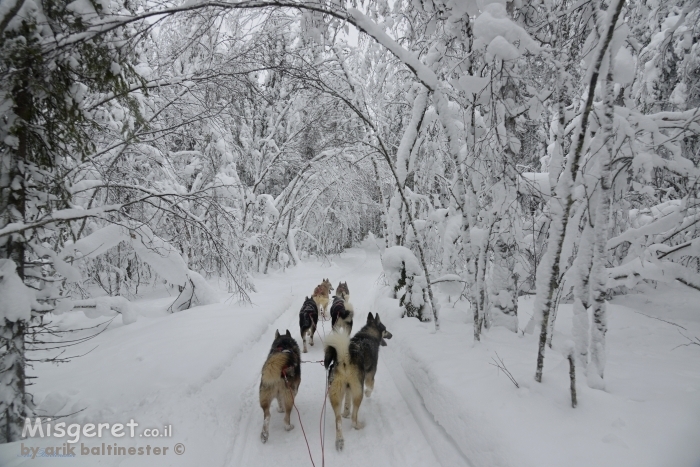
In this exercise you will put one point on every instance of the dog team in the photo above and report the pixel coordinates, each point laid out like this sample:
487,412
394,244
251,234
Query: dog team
351,362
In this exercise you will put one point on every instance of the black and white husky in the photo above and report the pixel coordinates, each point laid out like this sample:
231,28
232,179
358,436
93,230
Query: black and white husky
342,312
308,320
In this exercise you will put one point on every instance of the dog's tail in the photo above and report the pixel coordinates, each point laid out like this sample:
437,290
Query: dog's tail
337,350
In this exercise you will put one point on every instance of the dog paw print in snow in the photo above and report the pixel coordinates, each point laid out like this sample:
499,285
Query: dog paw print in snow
611,438
619,423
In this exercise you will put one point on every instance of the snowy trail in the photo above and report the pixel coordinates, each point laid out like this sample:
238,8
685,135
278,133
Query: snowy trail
392,435
202,370
198,371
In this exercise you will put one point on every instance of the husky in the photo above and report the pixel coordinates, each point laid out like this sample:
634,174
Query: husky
351,365
308,319
342,311
321,294
281,376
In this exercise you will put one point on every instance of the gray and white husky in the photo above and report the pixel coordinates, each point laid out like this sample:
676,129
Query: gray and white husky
352,364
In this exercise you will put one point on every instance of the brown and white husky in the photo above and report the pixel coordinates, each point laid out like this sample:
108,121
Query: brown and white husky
321,296
281,376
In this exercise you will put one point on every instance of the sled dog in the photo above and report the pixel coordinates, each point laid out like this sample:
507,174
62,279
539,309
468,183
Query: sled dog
352,364
281,376
321,294
308,319
342,311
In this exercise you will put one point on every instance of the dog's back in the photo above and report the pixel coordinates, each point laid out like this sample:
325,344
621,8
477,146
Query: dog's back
308,315
364,349
272,370
342,314
283,361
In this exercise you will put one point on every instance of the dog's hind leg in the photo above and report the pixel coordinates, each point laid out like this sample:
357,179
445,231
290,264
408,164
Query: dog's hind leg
335,394
347,401
288,405
369,382
303,338
280,404
265,400
311,338
356,391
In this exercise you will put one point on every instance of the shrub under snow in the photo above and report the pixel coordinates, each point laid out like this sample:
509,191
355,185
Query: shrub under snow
403,272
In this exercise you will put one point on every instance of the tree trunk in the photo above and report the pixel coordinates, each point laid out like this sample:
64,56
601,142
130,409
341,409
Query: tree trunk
504,309
385,229
13,404
561,207
583,263
599,326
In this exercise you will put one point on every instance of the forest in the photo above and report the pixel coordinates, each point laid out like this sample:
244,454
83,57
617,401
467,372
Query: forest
495,151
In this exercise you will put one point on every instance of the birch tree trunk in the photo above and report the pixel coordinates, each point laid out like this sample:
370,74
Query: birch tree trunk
548,275
599,326
504,300
582,290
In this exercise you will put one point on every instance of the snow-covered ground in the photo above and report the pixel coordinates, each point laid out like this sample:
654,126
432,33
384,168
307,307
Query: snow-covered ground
437,400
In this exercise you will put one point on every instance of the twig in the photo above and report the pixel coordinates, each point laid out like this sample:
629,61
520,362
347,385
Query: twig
502,366
691,341
654,317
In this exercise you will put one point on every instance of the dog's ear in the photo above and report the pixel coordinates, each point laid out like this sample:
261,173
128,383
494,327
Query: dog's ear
277,333
370,318
288,334
376,318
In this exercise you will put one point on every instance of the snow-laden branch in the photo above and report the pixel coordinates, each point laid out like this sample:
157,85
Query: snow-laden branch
60,216
351,15
661,225
637,270
369,27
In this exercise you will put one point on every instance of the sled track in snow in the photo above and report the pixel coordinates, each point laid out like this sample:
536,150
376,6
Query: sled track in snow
394,410
442,444
248,420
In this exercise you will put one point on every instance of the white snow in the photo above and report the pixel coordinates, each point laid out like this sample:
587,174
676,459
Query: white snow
437,401
494,22
624,67
536,183
15,298
502,49
425,74
395,259
473,84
